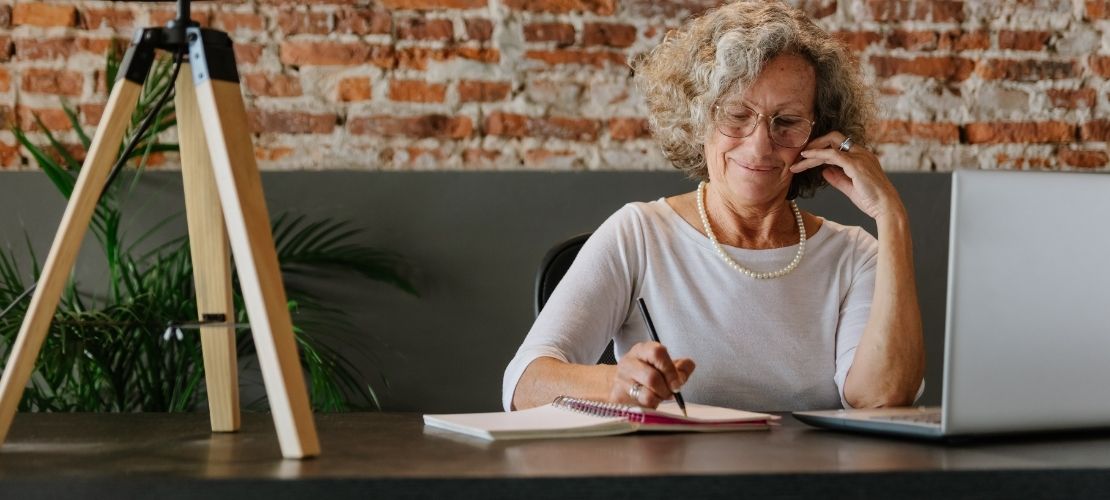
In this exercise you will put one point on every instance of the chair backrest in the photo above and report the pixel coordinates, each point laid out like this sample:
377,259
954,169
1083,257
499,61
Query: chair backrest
552,268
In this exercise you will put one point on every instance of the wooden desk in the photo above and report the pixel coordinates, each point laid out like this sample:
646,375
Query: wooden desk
168,456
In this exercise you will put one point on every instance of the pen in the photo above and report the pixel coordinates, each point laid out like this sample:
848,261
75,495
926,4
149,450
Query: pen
655,337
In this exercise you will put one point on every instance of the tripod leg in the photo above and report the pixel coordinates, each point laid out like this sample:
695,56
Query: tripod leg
59,262
211,259
248,223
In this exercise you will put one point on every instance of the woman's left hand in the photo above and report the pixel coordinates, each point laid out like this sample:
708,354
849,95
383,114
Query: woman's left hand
855,172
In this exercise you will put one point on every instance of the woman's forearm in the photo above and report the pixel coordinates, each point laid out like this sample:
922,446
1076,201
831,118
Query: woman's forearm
890,358
548,378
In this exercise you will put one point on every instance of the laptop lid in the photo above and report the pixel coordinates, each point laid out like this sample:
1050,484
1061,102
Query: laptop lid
1028,325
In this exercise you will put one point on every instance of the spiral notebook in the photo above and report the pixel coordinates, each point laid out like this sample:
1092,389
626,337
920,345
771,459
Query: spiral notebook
573,417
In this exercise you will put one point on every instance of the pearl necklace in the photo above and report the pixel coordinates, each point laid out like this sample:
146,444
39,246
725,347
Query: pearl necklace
732,263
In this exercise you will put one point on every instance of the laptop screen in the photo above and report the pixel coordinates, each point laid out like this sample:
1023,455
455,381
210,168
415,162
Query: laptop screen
1028,323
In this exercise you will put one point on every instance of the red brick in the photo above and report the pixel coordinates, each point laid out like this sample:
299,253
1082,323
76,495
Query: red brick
240,21
1019,132
416,91
954,40
1095,130
272,154
944,68
248,53
1097,9
479,30
303,53
363,21
1022,162
7,116
1023,40
5,80
299,3
1029,70
856,40
419,57
120,20
434,4
6,48
577,57
902,132
560,33
355,89
44,14
624,129
1100,65
1072,98
5,16
100,46
51,81
912,40
513,125
916,10
10,155
296,22
163,16
53,119
609,34
506,125
291,122
964,40
268,85
484,55
1084,158
418,28
416,155
542,158
475,158
602,7
91,113
59,48
437,126
672,10
479,91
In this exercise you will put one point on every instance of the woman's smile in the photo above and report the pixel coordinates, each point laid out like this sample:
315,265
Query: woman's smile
759,168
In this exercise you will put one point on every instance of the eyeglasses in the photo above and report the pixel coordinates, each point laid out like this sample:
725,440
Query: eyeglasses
739,121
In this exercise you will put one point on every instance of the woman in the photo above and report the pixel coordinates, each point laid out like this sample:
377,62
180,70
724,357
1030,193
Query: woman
781,309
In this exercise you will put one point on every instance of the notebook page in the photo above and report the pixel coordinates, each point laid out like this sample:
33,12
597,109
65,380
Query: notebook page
543,421
707,414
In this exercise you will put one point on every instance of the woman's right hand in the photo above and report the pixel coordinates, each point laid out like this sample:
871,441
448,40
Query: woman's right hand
648,365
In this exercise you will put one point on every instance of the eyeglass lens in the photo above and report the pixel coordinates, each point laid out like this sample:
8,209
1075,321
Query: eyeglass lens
789,131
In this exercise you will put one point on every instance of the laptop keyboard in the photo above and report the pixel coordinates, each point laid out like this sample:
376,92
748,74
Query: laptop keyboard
925,417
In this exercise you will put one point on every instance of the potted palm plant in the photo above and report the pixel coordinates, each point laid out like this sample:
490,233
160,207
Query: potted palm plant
110,350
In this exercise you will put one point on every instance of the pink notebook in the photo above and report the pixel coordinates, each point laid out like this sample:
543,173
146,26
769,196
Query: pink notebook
572,417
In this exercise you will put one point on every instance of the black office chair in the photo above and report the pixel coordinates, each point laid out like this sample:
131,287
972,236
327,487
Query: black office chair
552,268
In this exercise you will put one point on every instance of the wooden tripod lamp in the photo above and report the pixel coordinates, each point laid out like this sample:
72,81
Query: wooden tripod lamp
223,201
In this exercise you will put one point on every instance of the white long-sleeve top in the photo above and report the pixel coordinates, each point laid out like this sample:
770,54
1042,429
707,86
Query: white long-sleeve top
775,345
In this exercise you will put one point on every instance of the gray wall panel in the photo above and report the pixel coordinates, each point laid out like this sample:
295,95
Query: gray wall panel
474,239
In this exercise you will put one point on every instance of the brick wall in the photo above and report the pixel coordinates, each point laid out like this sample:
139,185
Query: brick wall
542,84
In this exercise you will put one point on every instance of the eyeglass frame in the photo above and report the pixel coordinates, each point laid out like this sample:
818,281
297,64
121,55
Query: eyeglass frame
718,110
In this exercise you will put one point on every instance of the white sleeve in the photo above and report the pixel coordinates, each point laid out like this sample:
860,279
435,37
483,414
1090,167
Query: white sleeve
855,309
590,303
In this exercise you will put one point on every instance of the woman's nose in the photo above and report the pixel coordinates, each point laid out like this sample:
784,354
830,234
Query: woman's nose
761,137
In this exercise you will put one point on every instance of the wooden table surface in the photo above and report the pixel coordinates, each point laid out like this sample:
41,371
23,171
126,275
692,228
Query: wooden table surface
384,455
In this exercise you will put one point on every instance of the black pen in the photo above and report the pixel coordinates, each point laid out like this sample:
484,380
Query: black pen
655,337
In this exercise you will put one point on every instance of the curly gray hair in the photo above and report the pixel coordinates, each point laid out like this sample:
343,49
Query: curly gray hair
720,54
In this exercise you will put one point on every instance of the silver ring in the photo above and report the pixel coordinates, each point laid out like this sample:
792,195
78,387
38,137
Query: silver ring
846,145
634,391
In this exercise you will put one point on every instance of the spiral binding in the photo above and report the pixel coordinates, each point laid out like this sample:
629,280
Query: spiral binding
600,409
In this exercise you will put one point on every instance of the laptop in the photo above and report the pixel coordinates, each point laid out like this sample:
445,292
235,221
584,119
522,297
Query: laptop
1027,336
